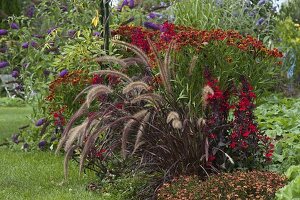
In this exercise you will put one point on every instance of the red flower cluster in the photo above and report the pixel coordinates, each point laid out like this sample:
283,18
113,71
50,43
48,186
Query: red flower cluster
138,38
241,137
186,36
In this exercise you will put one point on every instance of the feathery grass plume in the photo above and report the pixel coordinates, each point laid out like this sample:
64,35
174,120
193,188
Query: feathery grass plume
167,61
83,91
162,69
95,92
140,85
193,65
177,124
135,49
93,137
156,99
114,73
207,90
138,141
201,122
88,145
68,156
74,134
172,116
81,111
128,127
112,59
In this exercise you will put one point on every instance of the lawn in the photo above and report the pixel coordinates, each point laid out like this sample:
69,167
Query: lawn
11,118
35,175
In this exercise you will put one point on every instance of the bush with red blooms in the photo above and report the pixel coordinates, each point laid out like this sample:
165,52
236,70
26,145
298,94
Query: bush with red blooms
227,52
239,140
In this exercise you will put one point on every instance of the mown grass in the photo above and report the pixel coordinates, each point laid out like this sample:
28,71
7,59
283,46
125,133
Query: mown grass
39,175
35,175
11,118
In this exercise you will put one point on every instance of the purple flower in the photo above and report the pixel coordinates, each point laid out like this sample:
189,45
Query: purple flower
40,122
53,138
64,8
38,36
63,73
260,21
30,11
3,49
19,87
25,45
34,44
125,3
46,72
96,33
152,25
71,33
3,64
152,15
261,2
3,32
42,144
14,25
49,31
131,3
15,138
15,74
25,146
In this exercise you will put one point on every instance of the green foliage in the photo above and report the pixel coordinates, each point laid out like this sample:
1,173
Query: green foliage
238,15
291,8
58,30
278,116
292,189
12,102
289,34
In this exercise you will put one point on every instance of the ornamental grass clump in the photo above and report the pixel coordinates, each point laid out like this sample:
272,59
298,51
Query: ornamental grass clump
236,185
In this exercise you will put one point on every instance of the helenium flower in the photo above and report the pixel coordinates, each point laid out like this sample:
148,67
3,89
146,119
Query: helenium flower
3,32
63,73
260,21
40,122
14,25
25,45
3,64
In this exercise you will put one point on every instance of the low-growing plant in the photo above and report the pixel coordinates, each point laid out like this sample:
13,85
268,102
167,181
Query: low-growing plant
291,190
236,185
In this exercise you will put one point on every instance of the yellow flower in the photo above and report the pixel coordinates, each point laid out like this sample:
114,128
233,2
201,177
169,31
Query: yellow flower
297,25
95,20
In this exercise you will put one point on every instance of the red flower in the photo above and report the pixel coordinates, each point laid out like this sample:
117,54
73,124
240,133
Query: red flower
99,154
246,133
119,106
212,136
232,145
